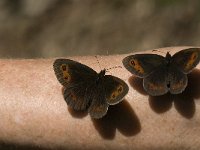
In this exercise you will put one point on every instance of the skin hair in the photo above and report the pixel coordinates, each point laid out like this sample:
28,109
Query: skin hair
34,114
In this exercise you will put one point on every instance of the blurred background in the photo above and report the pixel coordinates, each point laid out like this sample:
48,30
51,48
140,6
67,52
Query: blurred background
53,28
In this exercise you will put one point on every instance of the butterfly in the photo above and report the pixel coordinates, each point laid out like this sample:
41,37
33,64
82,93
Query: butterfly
85,89
163,74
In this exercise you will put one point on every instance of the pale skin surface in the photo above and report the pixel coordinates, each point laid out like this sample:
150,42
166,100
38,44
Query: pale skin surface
33,111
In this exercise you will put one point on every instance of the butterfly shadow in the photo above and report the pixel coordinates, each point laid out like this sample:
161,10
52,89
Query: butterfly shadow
184,102
121,117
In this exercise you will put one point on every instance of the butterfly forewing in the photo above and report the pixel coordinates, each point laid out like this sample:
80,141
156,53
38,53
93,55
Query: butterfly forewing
143,64
98,107
76,79
70,72
187,59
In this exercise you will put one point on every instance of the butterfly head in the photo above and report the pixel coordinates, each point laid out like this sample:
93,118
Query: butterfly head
101,74
168,57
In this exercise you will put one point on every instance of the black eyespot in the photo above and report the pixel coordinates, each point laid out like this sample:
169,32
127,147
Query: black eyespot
133,63
64,68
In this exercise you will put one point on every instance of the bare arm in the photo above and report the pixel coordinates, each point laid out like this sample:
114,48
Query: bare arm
33,111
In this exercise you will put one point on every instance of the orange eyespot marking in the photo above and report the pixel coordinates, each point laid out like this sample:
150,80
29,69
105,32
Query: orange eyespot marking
64,67
113,96
120,89
116,92
191,60
136,65
194,56
66,75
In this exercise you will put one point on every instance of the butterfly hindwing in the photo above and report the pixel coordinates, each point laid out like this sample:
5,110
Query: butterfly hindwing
98,110
98,107
77,98
143,64
165,79
187,59
115,89
156,82
177,80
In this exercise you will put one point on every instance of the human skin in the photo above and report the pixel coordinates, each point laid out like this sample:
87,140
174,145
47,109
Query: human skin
34,113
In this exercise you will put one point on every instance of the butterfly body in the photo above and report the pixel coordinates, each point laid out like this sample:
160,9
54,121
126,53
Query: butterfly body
85,89
163,74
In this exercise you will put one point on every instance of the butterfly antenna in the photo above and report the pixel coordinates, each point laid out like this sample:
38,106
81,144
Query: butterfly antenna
108,69
113,68
155,50
98,61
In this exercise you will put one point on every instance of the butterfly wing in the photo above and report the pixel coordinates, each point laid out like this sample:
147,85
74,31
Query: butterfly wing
103,95
76,79
177,80
165,79
187,59
156,83
143,64
115,89
69,72
99,106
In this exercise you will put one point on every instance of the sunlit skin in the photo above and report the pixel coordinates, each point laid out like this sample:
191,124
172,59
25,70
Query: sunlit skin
33,111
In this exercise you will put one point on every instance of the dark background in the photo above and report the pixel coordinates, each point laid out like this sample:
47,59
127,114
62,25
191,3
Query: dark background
49,28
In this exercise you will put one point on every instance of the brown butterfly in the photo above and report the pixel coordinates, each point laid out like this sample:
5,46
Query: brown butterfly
85,89
162,74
